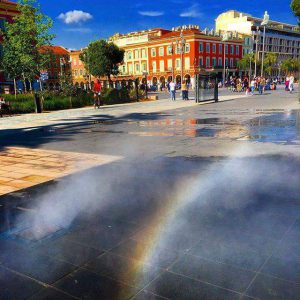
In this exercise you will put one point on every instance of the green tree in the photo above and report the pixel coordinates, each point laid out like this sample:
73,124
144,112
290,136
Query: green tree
102,58
23,40
270,62
290,65
295,6
244,63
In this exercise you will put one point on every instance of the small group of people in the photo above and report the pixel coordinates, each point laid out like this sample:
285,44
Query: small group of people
289,83
172,87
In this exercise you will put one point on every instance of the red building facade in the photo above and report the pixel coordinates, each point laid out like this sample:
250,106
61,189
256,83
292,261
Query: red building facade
58,66
172,54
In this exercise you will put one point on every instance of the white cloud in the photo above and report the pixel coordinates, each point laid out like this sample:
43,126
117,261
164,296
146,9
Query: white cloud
75,16
151,13
192,12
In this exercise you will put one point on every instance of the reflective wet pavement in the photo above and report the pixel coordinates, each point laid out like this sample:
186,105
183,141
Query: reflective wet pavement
203,205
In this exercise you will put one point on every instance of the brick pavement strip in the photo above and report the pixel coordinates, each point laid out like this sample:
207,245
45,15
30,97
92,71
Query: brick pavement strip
35,166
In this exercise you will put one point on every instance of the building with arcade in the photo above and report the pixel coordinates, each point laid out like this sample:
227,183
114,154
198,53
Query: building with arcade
161,55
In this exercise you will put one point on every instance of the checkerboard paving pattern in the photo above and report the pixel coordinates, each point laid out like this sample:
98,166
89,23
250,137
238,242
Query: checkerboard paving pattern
24,167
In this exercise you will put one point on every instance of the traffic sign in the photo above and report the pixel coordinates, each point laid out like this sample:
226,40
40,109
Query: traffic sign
44,76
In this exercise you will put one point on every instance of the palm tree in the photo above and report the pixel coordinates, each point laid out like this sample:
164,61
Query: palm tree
290,65
270,62
244,63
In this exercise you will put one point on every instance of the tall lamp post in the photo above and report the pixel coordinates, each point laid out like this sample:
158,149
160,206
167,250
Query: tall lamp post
250,67
172,53
181,44
264,24
256,51
225,38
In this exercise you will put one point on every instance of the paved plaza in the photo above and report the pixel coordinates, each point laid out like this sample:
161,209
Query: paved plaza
153,200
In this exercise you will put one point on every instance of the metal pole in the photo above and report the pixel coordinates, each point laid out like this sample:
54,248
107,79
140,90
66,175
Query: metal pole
173,62
263,53
181,62
250,69
256,52
146,86
224,69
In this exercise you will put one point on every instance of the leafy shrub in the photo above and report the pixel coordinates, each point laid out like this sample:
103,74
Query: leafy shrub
56,100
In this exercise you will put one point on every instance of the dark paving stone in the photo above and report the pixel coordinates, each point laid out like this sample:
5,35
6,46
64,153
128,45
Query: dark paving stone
215,273
111,223
40,267
283,268
144,295
288,248
101,239
123,269
7,247
153,255
51,294
271,288
270,225
174,286
87,285
172,239
69,251
230,252
13,286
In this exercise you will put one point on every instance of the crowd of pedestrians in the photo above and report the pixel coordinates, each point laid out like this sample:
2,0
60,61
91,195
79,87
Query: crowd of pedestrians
259,83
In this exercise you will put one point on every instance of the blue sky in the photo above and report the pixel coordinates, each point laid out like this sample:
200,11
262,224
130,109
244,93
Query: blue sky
77,22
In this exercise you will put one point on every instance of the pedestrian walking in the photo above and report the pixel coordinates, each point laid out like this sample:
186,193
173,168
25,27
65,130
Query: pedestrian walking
260,86
291,83
168,86
97,93
173,90
184,90
252,86
246,85
287,83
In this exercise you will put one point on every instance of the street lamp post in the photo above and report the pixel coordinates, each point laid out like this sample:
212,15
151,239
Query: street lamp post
181,44
62,63
250,67
264,24
256,50
172,53
224,39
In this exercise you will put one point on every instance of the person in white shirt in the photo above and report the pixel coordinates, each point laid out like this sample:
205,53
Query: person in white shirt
252,86
291,83
173,90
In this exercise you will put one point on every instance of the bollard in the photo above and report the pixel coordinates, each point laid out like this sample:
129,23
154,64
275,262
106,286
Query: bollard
38,103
